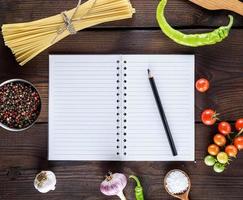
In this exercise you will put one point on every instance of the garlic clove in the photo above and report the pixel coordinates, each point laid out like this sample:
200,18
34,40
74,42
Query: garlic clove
45,181
121,195
114,185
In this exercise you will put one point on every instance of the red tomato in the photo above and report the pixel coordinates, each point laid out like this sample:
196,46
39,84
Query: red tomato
231,150
224,128
238,142
213,149
219,139
209,117
202,85
239,124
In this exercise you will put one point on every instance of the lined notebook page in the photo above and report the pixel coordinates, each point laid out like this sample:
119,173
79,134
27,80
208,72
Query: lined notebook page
145,135
83,107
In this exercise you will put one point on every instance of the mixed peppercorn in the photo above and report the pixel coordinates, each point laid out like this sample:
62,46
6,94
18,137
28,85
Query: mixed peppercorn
20,105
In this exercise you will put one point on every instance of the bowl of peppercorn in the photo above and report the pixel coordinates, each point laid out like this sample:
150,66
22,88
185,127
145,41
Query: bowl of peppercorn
20,105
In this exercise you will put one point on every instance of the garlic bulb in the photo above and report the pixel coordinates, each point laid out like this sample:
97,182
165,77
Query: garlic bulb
114,185
45,181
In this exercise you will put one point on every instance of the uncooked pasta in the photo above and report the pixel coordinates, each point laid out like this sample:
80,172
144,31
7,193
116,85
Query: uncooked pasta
27,40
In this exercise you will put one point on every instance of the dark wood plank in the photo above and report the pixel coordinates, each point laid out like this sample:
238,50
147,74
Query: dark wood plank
221,64
21,158
24,154
179,13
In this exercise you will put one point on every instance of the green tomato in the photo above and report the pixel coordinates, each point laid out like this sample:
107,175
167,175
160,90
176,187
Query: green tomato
218,167
223,158
209,160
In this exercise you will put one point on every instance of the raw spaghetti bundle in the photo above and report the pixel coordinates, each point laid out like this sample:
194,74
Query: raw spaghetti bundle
27,40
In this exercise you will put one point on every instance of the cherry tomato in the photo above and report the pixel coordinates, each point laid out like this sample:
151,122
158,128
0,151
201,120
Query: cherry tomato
209,160
231,150
202,85
219,139
239,124
238,142
219,168
213,149
209,117
224,128
223,158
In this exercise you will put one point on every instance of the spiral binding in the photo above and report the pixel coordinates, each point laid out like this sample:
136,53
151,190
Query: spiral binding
121,107
124,107
118,101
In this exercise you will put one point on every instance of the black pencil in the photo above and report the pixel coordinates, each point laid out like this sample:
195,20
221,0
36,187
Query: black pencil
162,114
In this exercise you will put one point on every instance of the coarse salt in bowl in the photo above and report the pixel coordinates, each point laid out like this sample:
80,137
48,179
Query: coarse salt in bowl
177,182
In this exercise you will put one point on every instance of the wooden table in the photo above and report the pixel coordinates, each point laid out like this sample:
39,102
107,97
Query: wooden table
24,154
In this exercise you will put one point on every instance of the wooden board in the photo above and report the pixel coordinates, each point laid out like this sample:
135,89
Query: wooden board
221,64
21,158
23,155
178,12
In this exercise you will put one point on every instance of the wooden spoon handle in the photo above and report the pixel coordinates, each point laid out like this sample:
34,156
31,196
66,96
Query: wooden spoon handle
236,6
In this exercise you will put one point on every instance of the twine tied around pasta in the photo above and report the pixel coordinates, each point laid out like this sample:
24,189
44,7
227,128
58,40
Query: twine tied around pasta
68,25
68,22
27,40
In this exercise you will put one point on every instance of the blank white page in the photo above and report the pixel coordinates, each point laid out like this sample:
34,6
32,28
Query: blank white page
83,107
145,137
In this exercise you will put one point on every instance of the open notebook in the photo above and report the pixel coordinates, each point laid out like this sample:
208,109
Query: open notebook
101,107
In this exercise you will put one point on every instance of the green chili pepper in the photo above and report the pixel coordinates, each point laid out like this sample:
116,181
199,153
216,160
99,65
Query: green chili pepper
138,189
193,40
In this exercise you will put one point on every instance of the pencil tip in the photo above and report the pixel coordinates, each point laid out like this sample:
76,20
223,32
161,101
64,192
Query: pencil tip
149,73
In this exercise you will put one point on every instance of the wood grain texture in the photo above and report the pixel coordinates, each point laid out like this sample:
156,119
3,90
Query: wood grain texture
233,5
178,12
221,64
21,159
24,154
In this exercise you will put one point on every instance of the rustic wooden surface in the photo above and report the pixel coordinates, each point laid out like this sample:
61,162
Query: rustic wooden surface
23,155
